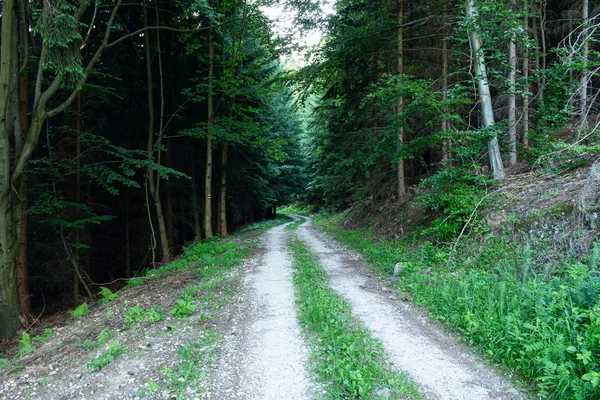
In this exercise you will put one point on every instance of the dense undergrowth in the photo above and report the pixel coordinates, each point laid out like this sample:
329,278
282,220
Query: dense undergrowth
347,359
544,323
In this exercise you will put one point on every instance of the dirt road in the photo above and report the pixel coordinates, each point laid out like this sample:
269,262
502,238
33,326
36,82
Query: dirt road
443,368
265,354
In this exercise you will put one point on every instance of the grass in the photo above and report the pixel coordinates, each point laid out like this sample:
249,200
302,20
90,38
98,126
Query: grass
346,358
540,320
114,349
194,358
294,225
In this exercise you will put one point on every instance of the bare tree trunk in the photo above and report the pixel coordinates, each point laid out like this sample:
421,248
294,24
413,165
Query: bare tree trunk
223,194
77,254
195,206
9,305
22,261
445,123
127,234
151,181
208,230
400,167
527,87
170,222
485,98
512,96
585,75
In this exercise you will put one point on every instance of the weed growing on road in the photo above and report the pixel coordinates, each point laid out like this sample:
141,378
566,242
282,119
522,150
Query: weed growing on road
136,315
184,308
26,346
544,324
294,225
348,360
115,349
45,336
80,311
191,370
3,363
107,295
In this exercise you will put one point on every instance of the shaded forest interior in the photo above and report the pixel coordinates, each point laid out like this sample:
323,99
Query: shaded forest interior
129,130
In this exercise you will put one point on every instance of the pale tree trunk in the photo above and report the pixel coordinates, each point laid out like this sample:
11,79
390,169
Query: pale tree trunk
445,123
223,194
526,79
512,96
485,98
208,230
151,181
400,167
583,85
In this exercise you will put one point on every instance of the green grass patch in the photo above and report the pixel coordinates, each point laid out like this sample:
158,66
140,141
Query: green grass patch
540,320
346,358
294,225
114,349
192,367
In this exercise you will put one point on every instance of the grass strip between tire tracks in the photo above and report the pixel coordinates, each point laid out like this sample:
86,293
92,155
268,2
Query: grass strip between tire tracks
346,358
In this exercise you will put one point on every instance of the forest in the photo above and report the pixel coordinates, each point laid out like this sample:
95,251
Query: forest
130,130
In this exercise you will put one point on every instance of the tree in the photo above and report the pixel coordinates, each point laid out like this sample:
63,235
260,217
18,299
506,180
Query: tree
485,97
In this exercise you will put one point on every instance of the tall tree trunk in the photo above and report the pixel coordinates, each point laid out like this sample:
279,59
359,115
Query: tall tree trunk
151,181
169,199
400,167
127,234
9,305
22,261
223,194
583,85
78,201
195,207
512,96
445,123
527,87
485,98
208,230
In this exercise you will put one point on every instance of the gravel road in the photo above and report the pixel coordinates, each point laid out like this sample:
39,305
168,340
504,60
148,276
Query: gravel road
264,356
442,367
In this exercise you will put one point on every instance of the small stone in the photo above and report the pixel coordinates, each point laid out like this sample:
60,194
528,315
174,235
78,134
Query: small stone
393,298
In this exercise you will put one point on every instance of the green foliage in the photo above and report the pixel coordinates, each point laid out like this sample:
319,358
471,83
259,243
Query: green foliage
107,295
45,337
3,363
456,193
545,326
187,376
26,346
115,349
135,315
80,311
151,387
103,337
61,34
347,359
184,307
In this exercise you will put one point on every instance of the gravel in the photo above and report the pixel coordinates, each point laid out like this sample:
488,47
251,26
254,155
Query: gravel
443,368
264,356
